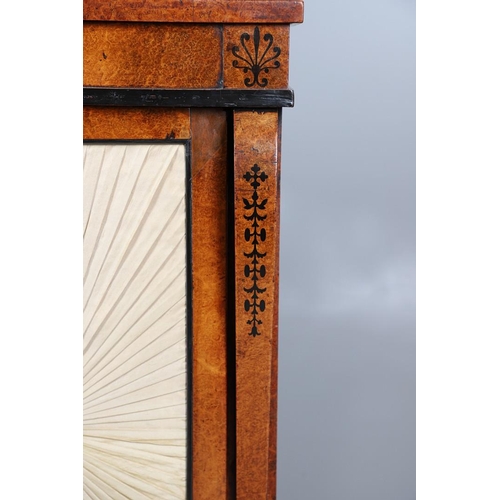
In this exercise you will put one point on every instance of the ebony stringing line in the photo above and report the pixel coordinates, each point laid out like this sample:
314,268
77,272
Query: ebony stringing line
256,235
188,98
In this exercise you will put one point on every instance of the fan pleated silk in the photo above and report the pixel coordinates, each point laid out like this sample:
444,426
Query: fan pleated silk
134,332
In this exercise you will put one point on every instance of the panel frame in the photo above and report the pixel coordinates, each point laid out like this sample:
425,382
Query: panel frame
265,135
189,290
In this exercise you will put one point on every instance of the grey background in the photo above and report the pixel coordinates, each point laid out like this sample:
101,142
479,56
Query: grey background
347,311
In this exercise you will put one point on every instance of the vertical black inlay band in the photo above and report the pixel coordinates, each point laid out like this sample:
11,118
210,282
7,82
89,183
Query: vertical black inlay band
189,325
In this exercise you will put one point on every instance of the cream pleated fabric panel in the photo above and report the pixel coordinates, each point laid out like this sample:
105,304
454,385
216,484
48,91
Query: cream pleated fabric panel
134,341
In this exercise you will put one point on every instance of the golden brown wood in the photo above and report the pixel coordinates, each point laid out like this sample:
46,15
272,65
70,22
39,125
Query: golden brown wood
209,251
135,123
256,152
131,10
249,11
196,11
274,78
149,55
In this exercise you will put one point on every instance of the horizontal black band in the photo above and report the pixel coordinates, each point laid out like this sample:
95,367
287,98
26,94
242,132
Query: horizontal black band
223,98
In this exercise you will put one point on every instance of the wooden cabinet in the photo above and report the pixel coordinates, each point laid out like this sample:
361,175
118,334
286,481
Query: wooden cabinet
182,132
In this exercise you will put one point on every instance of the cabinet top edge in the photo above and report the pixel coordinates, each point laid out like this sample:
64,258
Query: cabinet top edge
195,11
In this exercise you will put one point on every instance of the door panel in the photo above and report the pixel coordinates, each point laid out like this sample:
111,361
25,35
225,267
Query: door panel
135,321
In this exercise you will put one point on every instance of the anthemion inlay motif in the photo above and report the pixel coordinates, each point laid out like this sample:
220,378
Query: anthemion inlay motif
255,235
255,61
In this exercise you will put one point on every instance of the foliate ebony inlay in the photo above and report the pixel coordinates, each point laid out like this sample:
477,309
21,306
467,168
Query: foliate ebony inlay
255,235
254,61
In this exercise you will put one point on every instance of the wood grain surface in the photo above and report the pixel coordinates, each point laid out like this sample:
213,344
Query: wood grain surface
210,303
256,199
195,11
152,55
135,123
